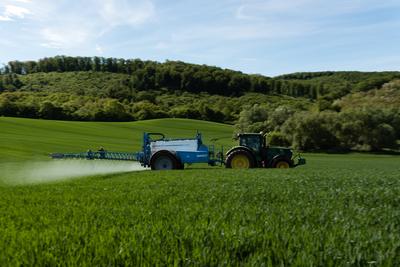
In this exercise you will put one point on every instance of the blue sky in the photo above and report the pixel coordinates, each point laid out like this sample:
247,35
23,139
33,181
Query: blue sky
269,37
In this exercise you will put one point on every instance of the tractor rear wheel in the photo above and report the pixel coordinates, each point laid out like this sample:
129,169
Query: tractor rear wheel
240,159
281,164
164,161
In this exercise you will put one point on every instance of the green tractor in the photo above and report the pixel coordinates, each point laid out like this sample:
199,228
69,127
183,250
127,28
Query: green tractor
253,152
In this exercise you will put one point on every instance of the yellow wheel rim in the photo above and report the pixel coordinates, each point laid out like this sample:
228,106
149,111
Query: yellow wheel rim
240,162
282,165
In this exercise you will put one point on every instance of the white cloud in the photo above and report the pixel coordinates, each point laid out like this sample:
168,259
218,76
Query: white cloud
23,1
122,12
99,49
242,32
12,12
63,37
306,9
83,23
5,18
68,24
287,18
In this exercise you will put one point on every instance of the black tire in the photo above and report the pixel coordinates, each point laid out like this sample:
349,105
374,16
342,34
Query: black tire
164,160
240,159
281,163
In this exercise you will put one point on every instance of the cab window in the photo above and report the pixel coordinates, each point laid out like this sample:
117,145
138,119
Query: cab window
252,142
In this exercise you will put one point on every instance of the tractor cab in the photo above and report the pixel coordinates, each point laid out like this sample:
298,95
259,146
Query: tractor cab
253,141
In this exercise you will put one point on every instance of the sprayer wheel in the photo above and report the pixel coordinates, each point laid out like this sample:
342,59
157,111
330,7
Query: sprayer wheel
164,160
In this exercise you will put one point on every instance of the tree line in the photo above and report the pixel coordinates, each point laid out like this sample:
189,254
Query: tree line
173,75
144,105
177,75
367,129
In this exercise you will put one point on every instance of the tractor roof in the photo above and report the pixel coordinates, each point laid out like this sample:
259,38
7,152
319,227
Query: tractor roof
247,134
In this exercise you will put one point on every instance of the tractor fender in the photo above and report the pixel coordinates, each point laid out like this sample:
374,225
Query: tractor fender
241,148
278,158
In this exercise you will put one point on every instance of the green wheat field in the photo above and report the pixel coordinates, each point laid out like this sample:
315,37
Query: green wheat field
338,210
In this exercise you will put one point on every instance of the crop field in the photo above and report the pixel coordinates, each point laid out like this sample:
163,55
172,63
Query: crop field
338,210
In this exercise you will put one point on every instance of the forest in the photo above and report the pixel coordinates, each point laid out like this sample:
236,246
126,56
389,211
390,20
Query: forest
336,111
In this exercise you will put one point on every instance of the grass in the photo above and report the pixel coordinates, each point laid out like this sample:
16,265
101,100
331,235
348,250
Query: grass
27,139
338,210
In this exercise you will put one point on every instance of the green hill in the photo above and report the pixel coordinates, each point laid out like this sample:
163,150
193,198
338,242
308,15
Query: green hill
386,97
110,89
106,96
29,139
350,110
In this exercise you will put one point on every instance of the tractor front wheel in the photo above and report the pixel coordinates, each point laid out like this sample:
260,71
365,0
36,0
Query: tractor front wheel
240,159
281,164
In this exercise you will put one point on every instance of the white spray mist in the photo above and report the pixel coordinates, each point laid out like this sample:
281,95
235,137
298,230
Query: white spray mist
57,170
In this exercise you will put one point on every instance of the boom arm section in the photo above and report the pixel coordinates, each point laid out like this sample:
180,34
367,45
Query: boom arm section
98,155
